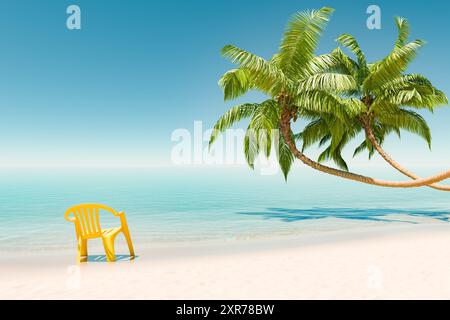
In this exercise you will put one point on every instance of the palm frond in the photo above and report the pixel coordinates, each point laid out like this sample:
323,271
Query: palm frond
231,117
264,75
328,81
328,103
392,66
351,66
360,148
236,83
264,121
251,147
407,120
414,91
301,39
335,156
284,155
403,81
403,31
350,42
313,133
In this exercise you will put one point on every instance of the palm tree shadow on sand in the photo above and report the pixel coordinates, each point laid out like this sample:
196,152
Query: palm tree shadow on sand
378,215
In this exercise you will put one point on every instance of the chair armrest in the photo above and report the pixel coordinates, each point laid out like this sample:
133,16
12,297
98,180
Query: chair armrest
70,219
119,214
123,220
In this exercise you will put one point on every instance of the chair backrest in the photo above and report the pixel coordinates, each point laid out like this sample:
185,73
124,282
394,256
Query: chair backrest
87,218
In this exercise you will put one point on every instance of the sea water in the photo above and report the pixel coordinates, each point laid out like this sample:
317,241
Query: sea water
183,205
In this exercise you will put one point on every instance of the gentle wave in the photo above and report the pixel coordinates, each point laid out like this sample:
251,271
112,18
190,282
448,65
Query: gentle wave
165,206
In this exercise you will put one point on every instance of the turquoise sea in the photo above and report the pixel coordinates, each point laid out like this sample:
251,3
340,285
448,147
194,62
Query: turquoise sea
172,205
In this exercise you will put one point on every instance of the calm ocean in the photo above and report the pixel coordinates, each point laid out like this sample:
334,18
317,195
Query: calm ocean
170,205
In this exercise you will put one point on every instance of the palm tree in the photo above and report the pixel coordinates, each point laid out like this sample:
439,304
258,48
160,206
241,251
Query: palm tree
385,91
298,85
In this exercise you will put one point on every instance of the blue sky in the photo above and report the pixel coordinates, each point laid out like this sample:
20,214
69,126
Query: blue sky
112,93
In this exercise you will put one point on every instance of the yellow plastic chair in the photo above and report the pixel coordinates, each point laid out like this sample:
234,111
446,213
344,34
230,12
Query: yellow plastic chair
86,218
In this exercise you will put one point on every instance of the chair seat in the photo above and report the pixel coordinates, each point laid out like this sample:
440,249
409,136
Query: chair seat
106,233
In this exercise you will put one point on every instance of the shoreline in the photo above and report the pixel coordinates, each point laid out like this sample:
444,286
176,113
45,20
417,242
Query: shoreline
223,246
393,263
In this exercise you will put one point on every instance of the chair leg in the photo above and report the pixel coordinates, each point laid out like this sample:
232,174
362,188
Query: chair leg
130,244
82,250
108,244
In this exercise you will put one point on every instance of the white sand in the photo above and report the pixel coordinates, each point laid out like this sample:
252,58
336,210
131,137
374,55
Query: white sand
408,263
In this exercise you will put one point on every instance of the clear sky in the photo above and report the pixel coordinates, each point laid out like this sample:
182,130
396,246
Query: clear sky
112,93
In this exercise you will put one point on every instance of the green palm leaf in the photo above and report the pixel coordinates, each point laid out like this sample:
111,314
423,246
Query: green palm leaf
329,103
285,156
350,42
328,81
313,133
264,75
409,121
264,121
403,31
334,155
320,64
231,117
301,39
236,83
251,147
393,66
348,65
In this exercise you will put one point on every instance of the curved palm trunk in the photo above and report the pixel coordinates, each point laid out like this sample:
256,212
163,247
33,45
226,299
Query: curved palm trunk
393,163
285,125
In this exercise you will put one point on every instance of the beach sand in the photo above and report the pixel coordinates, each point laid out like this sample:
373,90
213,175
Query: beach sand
386,263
